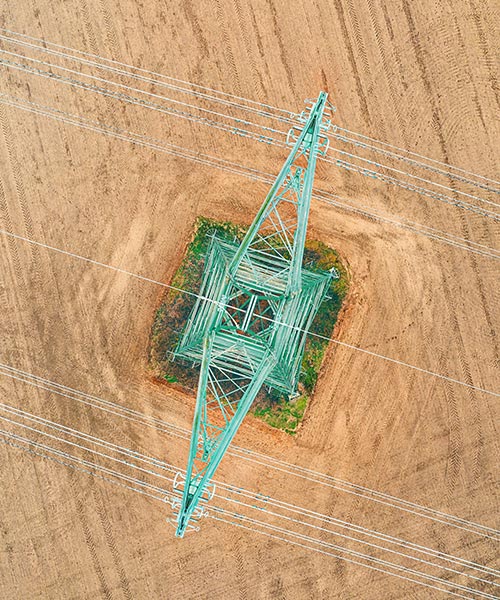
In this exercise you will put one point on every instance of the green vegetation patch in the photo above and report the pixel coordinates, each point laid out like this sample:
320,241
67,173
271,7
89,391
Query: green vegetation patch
271,406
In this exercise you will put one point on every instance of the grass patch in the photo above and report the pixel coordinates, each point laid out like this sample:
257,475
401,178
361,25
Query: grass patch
270,405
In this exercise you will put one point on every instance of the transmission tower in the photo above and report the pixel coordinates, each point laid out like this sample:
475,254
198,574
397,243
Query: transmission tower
249,324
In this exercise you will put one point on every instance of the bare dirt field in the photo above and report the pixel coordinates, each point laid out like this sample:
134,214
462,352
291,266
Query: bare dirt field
421,75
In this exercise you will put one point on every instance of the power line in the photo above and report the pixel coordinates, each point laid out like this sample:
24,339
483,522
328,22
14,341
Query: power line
51,75
369,558
429,373
135,481
252,456
71,466
250,173
207,122
385,563
404,173
424,157
406,159
180,81
11,443
292,117
327,553
193,294
8,437
268,501
256,137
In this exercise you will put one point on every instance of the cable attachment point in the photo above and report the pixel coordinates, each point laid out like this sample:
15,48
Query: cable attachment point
175,502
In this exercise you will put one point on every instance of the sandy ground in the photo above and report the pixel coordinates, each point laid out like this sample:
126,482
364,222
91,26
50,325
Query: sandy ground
419,74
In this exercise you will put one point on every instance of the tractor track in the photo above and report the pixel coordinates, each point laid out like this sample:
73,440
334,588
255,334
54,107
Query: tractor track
193,20
257,81
228,52
352,62
456,428
365,410
464,225
110,31
89,538
489,61
282,50
385,67
111,543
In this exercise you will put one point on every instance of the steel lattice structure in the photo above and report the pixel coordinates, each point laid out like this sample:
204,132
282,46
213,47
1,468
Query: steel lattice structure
249,324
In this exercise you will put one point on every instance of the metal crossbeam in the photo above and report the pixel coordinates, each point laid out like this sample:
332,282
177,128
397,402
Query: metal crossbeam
249,324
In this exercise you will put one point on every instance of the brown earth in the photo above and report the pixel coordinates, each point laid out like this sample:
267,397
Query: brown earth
421,75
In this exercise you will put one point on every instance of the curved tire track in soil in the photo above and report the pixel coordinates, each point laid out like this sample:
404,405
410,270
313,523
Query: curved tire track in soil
465,226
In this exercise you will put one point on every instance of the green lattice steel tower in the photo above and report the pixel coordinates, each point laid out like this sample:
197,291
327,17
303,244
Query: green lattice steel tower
249,324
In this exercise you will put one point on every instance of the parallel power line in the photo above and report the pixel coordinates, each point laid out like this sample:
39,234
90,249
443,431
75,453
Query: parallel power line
250,173
251,456
151,462
258,109
221,511
240,130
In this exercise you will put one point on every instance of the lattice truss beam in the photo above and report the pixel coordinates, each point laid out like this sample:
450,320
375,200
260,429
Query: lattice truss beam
249,324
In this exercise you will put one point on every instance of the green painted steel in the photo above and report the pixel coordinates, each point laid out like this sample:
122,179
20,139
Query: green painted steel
250,321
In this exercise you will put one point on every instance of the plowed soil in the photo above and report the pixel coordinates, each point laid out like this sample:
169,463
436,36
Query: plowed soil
420,75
